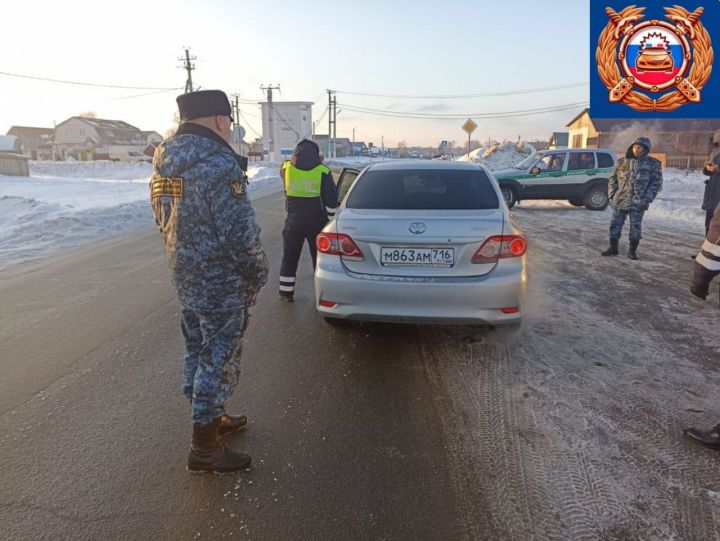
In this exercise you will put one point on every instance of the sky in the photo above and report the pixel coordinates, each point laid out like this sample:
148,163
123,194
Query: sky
373,47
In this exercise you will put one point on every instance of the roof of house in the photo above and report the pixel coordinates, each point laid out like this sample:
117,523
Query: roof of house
28,132
652,124
150,132
111,131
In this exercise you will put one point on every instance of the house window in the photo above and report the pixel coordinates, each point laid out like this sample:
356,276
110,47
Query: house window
577,140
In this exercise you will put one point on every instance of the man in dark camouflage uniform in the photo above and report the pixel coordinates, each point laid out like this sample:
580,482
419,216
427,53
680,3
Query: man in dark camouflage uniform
707,267
634,184
199,198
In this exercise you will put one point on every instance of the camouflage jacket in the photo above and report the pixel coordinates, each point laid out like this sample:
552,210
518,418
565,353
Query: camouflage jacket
200,203
635,183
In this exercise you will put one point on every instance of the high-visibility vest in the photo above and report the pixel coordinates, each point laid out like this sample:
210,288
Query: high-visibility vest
299,183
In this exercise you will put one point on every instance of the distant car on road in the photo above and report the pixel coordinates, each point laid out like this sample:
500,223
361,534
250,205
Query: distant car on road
427,242
578,175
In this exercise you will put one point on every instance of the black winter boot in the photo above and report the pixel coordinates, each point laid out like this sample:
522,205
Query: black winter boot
231,423
709,438
613,250
207,454
700,290
632,251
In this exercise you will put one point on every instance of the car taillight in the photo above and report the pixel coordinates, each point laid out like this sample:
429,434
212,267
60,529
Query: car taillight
500,247
338,244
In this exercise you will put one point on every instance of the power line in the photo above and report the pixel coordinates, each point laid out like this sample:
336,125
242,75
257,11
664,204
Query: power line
145,94
473,95
36,78
248,123
456,116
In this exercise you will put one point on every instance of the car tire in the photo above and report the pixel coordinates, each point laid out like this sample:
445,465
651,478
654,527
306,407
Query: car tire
509,196
596,198
336,322
576,202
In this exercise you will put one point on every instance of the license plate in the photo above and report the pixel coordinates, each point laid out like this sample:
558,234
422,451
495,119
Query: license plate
417,257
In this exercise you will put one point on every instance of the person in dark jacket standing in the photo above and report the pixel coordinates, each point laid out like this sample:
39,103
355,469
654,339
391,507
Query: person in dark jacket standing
634,184
199,199
707,267
711,197
311,199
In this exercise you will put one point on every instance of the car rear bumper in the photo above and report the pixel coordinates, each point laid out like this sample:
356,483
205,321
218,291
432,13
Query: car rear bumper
476,300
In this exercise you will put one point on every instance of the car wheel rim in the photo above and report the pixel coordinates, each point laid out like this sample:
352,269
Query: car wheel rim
507,194
597,199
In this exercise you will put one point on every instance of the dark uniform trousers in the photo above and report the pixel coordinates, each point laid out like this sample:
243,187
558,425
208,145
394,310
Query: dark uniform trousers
299,228
213,346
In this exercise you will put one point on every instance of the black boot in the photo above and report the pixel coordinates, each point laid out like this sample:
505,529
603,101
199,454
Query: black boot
700,290
613,250
231,423
207,454
632,251
287,296
709,438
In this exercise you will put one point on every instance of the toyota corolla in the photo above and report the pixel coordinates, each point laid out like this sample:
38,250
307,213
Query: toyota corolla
429,242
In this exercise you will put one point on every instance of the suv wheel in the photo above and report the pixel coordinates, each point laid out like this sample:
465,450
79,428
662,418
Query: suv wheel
509,196
596,198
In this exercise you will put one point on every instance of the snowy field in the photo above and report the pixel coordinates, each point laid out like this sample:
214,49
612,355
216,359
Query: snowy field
66,204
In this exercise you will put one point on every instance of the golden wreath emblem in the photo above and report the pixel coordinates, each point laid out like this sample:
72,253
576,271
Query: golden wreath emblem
653,56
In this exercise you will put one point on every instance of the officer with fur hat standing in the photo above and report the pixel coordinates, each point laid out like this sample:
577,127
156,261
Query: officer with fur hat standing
199,199
311,199
634,184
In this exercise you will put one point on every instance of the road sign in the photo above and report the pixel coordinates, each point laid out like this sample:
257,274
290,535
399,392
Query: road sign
469,126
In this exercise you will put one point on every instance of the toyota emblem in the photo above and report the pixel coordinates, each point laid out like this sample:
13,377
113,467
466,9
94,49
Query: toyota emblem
417,228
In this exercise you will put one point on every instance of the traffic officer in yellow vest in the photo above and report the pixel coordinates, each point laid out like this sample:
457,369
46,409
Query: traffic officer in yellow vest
311,200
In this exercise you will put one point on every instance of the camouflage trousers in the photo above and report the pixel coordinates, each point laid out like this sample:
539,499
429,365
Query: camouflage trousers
213,345
618,221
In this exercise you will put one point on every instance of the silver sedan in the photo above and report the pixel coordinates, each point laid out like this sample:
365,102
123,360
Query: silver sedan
428,242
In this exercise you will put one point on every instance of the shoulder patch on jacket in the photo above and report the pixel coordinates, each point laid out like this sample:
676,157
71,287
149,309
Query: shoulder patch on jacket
167,187
237,187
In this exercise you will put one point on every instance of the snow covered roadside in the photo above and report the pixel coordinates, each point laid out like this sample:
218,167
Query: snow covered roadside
64,204
677,206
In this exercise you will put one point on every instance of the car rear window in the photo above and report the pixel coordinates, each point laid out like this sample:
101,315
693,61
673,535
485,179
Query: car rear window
431,189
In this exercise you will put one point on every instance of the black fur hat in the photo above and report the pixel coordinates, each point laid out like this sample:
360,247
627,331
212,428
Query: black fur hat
203,103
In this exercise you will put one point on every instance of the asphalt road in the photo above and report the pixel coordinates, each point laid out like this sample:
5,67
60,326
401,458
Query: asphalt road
569,429
345,436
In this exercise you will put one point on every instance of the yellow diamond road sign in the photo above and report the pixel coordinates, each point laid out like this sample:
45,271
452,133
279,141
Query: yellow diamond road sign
469,126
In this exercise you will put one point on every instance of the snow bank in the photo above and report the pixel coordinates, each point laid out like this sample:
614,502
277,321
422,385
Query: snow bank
66,204
498,156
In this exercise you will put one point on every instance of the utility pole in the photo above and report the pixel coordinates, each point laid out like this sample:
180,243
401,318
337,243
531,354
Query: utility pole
189,67
332,123
271,114
236,116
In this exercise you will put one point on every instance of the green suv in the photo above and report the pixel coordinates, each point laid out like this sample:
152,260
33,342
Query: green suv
578,175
